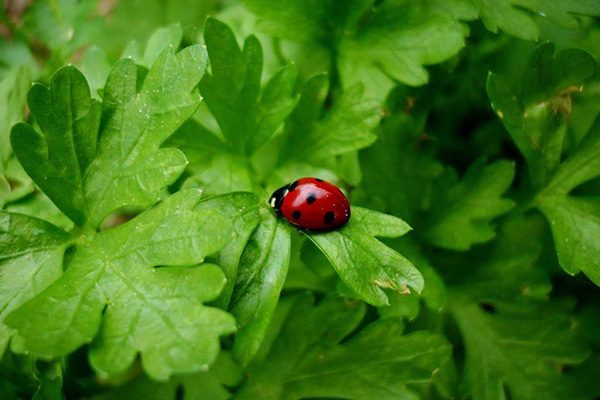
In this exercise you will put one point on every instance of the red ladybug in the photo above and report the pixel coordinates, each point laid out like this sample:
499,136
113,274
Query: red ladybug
312,203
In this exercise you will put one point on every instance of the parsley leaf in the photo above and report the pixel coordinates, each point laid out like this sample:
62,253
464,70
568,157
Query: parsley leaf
154,311
261,273
209,385
380,44
515,16
538,120
381,267
312,133
536,110
516,341
574,220
307,361
461,215
13,94
248,117
89,180
31,256
515,347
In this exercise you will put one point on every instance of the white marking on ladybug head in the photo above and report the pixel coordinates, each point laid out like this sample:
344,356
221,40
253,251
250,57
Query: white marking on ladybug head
273,202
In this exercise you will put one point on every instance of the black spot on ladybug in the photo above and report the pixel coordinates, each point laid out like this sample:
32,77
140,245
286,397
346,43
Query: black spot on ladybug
296,214
318,180
293,186
311,198
329,217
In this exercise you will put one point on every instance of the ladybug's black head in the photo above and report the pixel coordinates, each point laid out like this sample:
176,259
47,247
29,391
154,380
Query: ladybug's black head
277,198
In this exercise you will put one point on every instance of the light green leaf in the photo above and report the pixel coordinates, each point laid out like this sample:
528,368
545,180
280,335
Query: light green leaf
262,270
312,133
88,179
131,169
536,110
516,17
461,215
379,362
31,256
96,67
157,312
162,38
58,158
247,115
13,95
63,25
365,264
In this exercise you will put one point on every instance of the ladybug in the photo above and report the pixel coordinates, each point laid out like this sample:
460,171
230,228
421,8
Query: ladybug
311,203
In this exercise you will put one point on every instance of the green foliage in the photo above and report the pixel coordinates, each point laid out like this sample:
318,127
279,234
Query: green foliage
515,16
537,121
462,213
376,44
306,360
140,141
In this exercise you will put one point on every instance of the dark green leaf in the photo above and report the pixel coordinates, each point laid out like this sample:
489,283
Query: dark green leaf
536,110
461,215
379,362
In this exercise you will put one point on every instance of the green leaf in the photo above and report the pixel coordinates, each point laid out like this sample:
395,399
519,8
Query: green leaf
88,179
243,210
398,170
461,215
517,343
365,264
122,26
536,110
96,67
63,25
31,256
379,44
516,17
58,158
13,94
538,121
396,42
131,169
379,362
160,40
247,115
22,377
262,270
434,294
517,349
119,299
209,385
312,133
574,220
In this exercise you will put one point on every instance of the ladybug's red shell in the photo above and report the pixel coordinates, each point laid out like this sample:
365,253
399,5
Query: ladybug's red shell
312,203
